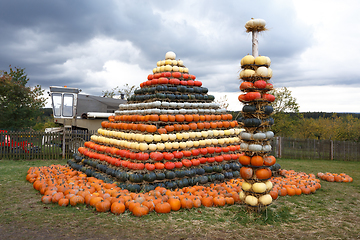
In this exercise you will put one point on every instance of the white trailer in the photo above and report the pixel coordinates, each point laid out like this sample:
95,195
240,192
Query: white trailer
79,113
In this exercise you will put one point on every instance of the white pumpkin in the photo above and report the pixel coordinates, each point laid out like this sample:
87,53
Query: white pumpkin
192,134
164,137
259,136
246,186
157,138
204,134
245,135
244,146
262,72
168,145
182,145
249,24
160,146
175,145
242,196
266,148
202,142
170,55
179,136
152,147
189,144
268,61
167,68
265,199
248,59
248,73
143,146
251,200
241,75
260,60
149,138
255,147
269,134
172,137
186,135
259,187
196,143
269,185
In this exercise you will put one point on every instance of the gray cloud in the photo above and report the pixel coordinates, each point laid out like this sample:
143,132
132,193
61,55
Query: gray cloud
45,36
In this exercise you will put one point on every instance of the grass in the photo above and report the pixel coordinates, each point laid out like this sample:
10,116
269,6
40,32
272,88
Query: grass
331,213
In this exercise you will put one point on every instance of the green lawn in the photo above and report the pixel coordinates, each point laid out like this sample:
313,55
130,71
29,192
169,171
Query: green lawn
333,212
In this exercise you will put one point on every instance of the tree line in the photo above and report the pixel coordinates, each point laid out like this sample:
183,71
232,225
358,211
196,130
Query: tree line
344,127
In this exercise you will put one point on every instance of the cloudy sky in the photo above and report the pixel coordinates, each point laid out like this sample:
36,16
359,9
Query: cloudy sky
98,45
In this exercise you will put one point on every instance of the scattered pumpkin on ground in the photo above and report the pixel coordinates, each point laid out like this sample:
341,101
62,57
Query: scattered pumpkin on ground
65,186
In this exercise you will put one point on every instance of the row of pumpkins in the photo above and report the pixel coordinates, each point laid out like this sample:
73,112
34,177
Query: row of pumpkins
170,134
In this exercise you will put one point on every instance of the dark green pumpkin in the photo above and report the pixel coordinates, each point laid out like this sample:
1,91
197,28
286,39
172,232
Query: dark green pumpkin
169,174
149,177
136,177
160,176
208,169
236,174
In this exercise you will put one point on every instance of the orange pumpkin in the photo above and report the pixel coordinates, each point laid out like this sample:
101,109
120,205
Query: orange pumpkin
257,161
244,160
117,207
163,207
140,210
103,206
263,173
175,204
186,203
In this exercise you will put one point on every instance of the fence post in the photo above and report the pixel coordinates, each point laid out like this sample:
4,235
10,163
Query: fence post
331,150
63,144
279,147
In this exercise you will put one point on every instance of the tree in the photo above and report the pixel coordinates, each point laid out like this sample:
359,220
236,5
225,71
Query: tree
20,105
284,102
127,91
223,101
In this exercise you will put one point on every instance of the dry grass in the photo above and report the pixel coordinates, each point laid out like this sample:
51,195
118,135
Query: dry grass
332,213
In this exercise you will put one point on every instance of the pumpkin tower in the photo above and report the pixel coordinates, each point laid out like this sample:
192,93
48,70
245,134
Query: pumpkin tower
256,120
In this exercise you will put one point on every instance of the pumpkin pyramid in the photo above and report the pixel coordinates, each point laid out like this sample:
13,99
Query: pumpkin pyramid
170,133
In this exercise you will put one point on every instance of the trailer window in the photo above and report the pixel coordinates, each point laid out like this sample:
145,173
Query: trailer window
68,105
56,99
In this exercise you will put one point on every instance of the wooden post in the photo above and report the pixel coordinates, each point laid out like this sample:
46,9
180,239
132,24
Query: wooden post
279,147
63,144
331,150
255,44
